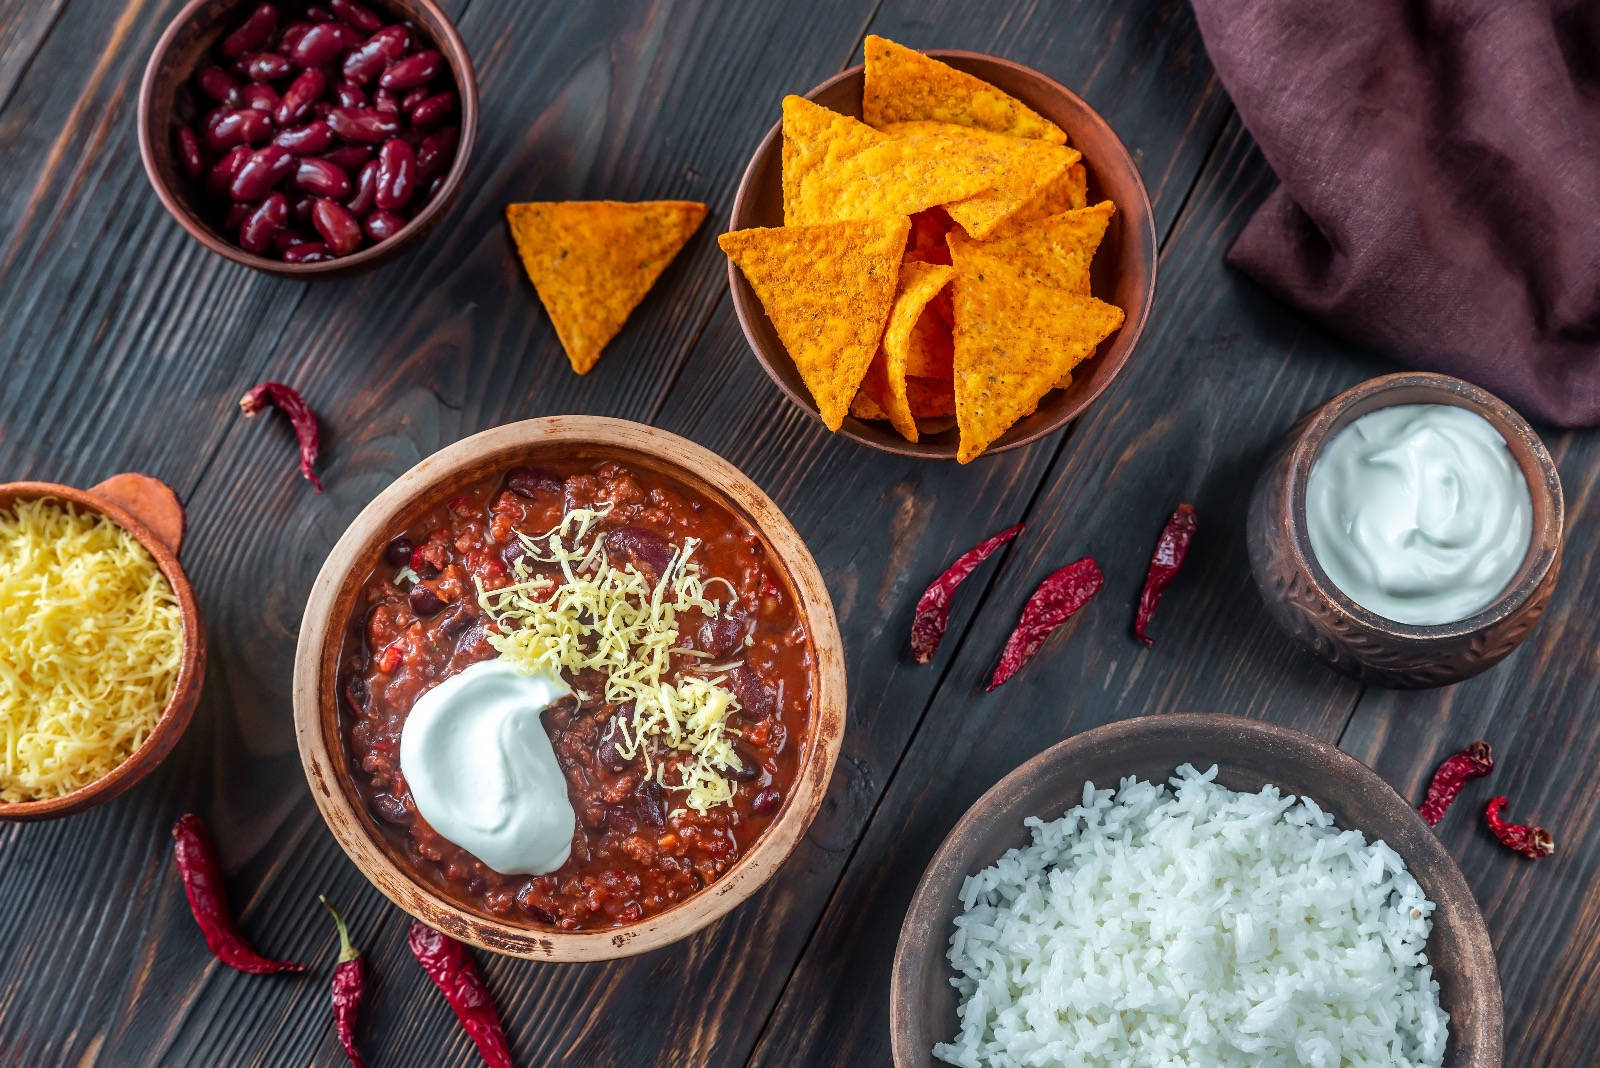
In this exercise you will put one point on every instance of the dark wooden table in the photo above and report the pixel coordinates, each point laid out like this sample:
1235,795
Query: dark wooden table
125,346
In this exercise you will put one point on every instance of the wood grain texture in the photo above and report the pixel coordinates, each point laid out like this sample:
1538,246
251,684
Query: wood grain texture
126,347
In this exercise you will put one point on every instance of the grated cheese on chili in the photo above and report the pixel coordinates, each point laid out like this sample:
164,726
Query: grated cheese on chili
91,640
613,621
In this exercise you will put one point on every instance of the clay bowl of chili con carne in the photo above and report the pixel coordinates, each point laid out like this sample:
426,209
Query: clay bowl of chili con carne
146,508
645,869
166,97
1123,272
1249,754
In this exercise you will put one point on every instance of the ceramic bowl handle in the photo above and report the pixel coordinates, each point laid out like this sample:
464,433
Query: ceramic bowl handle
150,501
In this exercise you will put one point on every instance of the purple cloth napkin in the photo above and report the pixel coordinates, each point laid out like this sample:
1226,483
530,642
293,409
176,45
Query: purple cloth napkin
1439,180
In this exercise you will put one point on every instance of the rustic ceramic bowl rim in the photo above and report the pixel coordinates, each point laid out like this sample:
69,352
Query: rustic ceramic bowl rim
942,879
1132,329
179,709
324,758
1334,415
178,206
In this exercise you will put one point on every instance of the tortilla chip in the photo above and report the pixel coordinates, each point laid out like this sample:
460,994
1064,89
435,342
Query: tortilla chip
827,290
592,262
931,398
864,407
1016,169
917,286
1067,193
930,352
1056,251
1014,340
929,427
928,230
902,85
836,168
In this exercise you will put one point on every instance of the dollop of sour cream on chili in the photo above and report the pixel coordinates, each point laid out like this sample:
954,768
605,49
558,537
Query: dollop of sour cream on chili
482,771
1419,513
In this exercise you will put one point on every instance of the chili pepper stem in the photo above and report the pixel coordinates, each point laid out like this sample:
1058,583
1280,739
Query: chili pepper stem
346,950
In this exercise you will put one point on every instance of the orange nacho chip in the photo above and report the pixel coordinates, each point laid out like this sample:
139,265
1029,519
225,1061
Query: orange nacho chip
827,290
928,230
1014,341
1017,169
931,398
836,168
1066,193
1056,251
864,407
930,352
592,262
904,85
919,282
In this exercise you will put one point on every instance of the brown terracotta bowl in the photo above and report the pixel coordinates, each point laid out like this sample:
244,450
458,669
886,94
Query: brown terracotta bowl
1124,271
1249,754
165,93
1305,602
149,510
332,601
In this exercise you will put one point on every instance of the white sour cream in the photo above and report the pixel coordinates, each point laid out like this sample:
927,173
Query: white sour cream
1419,513
482,771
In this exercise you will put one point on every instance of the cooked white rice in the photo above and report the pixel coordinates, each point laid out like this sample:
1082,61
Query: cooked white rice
1195,926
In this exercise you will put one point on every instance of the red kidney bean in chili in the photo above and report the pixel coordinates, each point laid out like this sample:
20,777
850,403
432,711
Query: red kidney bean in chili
1052,604
637,849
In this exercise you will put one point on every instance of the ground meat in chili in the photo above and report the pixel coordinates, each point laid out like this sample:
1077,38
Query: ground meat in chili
637,850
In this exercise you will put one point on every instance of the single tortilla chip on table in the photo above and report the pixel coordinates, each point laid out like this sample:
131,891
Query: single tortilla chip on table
836,168
1056,251
827,290
1014,341
1017,168
886,378
902,85
592,262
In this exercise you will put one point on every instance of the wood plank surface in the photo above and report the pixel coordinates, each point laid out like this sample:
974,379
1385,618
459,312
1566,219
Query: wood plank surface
126,346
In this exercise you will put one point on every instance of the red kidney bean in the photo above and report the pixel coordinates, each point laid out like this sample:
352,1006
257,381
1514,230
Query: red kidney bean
337,226
397,175
398,554
356,15
319,13
720,636
531,483
221,174
366,189
252,33
436,151
291,36
434,187
609,756
223,129
310,252
425,602
284,240
186,147
302,208
382,225
265,168
765,800
388,807
272,215
235,215
320,46
260,97
363,124
305,90
413,70
415,97
384,101
349,157
433,110
748,768
369,58
322,178
312,139
639,546
267,67
754,696
349,95
218,84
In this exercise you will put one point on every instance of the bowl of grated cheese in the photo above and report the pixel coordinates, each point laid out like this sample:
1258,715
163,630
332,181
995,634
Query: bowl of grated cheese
569,689
102,653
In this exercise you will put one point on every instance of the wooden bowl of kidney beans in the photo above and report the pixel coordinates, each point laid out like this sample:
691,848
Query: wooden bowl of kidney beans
308,139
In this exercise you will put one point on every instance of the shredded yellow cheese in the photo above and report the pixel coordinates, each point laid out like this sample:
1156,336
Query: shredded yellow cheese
91,640
613,621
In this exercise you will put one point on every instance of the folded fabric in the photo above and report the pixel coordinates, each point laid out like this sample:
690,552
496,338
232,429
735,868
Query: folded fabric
1439,180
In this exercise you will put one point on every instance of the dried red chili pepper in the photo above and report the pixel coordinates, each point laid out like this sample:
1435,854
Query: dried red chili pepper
1057,598
933,608
452,969
301,417
349,983
1473,762
1171,548
1526,839
202,882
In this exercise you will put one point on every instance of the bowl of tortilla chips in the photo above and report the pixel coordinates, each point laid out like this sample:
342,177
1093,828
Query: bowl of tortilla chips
941,254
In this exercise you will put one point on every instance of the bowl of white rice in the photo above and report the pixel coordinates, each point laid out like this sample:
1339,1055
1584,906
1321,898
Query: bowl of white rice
1194,890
